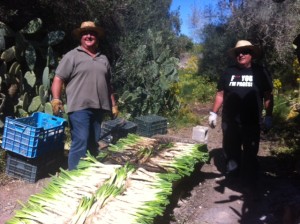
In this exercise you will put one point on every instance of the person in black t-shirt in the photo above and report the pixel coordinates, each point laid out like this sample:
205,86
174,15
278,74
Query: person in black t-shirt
243,90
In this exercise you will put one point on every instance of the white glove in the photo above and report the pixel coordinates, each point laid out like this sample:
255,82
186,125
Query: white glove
212,120
267,123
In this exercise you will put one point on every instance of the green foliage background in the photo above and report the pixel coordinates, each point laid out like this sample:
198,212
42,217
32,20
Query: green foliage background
142,43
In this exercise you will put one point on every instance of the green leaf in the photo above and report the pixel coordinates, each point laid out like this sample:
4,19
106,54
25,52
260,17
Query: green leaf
164,55
164,83
46,80
54,37
32,27
126,96
12,69
51,59
19,77
30,56
48,108
35,104
42,94
21,112
6,30
9,54
25,102
3,68
31,78
21,44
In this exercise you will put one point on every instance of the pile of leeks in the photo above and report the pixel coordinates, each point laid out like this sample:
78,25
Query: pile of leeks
99,191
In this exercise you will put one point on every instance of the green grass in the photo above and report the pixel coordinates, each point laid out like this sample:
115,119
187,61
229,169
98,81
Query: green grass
2,160
285,130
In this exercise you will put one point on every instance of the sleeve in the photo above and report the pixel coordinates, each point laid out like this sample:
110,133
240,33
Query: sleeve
221,81
268,80
65,68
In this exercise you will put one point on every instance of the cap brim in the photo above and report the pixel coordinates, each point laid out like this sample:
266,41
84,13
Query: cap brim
76,33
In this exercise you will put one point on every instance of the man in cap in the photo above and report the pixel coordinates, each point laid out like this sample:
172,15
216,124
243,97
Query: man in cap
86,74
243,90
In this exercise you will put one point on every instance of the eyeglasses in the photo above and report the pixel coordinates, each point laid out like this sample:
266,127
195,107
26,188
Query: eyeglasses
243,52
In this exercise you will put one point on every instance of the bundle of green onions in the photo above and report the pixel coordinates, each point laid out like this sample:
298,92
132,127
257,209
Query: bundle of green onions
97,192
134,149
145,198
133,142
181,158
59,201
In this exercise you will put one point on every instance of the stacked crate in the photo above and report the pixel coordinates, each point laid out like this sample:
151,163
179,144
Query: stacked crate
113,130
35,145
150,125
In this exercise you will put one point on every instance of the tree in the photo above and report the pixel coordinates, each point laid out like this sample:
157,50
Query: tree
271,25
215,46
126,24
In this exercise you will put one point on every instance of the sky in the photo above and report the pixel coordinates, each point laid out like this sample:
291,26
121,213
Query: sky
186,11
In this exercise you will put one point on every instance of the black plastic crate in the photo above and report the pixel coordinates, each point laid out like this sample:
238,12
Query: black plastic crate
31,170
113,130
150,125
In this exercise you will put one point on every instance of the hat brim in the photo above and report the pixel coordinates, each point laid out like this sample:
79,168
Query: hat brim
78,31
256,53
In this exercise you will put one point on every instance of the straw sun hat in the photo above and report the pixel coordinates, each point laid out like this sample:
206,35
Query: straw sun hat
87,26
244,45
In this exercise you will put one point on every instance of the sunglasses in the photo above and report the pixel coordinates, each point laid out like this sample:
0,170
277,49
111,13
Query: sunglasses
243,52
86,32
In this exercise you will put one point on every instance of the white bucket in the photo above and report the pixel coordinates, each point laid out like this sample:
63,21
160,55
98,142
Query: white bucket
200,134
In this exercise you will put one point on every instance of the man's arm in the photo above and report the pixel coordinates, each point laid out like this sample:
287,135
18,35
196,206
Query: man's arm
56,87
115,110
212,119
218,101
268,103
57,105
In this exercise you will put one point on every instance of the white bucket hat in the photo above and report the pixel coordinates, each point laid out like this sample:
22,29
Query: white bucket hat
245,44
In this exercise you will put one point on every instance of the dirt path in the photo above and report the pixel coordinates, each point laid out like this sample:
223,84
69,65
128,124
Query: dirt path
206,196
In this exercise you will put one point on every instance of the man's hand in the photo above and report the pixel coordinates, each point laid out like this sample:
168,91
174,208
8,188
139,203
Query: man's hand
115,112
57,106
212,120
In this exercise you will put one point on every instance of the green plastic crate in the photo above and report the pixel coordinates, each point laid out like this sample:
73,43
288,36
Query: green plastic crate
150,125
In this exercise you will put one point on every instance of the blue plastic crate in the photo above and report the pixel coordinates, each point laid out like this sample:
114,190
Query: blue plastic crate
33,136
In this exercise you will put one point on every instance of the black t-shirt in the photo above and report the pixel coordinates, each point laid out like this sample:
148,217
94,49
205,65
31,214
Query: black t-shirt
243,93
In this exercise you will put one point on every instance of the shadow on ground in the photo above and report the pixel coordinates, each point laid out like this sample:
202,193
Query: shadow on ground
274,199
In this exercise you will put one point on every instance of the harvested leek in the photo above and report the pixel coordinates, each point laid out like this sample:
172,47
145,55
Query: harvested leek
114,193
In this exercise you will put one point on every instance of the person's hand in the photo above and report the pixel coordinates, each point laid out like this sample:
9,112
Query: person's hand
57,106
115,112
267,124
212,120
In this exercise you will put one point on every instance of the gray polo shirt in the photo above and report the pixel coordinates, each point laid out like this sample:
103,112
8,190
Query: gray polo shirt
87,80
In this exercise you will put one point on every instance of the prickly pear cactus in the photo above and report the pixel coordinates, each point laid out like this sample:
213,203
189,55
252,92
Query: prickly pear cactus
154,71
25,87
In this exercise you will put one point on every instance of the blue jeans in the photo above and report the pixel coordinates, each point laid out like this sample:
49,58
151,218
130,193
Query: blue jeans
85,128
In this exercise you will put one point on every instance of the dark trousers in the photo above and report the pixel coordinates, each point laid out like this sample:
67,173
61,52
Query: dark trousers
241,144
85,128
